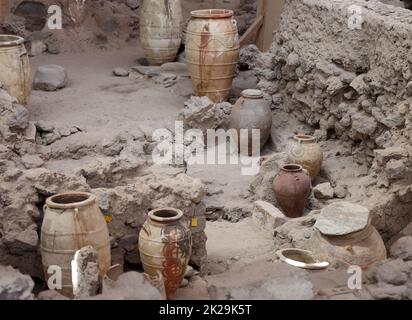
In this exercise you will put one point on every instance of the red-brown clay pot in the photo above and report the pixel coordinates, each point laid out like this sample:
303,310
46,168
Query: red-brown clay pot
292,187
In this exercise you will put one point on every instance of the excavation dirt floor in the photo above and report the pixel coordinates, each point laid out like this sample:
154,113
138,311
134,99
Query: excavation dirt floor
239,254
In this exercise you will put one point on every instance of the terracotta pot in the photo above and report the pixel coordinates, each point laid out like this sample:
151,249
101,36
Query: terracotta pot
304,150
212,52
165,245
362,248
73,221
252,111
4,9
15,69
292,187
161,26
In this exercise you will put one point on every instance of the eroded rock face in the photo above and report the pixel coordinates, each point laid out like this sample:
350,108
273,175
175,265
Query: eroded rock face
118,169
14,285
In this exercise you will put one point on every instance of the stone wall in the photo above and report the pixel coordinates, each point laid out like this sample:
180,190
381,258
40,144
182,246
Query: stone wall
351,85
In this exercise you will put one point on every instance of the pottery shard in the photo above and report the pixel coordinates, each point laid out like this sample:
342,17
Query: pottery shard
342,218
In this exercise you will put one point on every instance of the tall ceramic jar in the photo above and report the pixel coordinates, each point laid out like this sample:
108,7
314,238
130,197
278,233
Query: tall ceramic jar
72,221
15,69
161,27
304,150
212,52
4,9
292,187
251,111
165,245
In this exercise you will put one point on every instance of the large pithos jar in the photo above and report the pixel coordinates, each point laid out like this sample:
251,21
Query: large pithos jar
344,234
161,27
15,72
305,151
292,187
71,222
251,112
212,52
165,246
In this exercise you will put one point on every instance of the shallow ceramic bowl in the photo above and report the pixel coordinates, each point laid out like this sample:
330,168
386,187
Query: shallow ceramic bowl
301,258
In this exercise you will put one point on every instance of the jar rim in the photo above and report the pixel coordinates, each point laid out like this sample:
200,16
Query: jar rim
70,200
291,167
212,13
166,215
252,94
305,138
7,40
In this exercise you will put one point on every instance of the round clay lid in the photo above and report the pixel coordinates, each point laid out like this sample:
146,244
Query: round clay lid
252,94
342,218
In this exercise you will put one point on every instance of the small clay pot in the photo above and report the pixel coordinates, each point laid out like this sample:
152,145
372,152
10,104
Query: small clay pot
304,150
252,111
292,187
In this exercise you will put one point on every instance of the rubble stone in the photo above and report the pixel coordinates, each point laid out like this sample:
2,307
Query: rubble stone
50,78
14,285
323,191
268,217
402,248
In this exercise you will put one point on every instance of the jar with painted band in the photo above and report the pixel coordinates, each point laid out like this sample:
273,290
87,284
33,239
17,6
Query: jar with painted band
15,68
212,52
161,27
71,222
292,188
251,112
305,151
165,246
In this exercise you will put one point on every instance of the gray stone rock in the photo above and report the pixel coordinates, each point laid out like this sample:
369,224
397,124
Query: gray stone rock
394,272
32,161
402,248
37,47
121,72
133,4
87,282
130,286
342,218
150,71
50,78
268,217
323,191
20,118
14,285
396,169
51,295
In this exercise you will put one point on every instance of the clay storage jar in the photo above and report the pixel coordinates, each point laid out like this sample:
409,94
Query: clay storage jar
161,26
292,187
71,222
304,150
165,245
343,233
15,73
212,52
250,112
4,9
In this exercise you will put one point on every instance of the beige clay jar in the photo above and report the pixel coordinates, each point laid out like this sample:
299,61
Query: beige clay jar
165,246
305,151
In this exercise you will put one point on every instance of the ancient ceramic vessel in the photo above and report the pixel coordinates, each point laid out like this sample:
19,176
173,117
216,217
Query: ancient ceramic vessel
304,150
301,258
15,72
251,111
161,26
4,9
344,233
212,52
292,187
165,245
71,222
